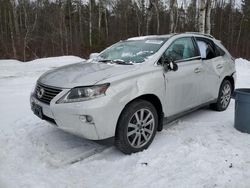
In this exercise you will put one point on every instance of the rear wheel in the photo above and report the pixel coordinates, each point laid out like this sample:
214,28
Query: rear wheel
136,127
224,96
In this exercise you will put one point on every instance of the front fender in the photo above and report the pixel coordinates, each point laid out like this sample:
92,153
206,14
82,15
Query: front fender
133,87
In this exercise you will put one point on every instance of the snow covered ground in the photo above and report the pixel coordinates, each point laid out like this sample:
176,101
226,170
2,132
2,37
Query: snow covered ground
200,150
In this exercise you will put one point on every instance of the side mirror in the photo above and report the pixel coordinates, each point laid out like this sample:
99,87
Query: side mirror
169,64
93,55
173,66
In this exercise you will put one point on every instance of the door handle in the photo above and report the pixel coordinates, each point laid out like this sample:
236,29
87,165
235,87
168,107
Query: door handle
197,70
219,66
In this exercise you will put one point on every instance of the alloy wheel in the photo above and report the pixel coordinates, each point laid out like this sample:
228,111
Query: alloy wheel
226,95
140,128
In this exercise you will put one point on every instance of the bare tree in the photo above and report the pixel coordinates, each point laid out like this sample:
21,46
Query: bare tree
99,18
155,5
173,15
106,23
15,24
205,16
48,28
90,23
208,16
29,28
148,16
12,35
139,6
202,15
239,34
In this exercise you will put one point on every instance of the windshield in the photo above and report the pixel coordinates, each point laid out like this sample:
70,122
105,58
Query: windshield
132,51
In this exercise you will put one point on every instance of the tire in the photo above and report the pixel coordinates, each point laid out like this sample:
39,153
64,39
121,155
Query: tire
224,97
134,132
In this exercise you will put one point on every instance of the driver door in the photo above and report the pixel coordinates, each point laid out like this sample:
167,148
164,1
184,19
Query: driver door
182,86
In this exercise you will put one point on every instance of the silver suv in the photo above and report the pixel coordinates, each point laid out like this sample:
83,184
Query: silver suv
131,89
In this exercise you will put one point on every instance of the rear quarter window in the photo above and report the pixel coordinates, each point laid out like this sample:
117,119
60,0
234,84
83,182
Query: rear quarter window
219,51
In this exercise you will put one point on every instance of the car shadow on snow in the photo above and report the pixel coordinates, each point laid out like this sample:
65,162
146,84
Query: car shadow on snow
205,114
58,148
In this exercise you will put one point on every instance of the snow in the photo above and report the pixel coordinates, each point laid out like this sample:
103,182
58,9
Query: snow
200,150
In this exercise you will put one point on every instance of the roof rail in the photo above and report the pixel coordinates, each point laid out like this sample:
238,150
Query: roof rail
204,34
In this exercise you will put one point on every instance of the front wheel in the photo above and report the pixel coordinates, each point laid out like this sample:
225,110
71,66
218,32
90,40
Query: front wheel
136,127
224,96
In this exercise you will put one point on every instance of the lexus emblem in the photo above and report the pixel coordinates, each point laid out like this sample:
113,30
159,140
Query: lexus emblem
40,93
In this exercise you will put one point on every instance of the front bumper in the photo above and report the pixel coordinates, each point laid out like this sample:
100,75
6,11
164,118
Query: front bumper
71,117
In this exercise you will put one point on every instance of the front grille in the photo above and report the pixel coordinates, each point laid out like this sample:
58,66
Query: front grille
47,94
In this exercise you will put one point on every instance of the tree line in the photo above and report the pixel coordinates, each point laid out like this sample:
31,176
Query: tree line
31,29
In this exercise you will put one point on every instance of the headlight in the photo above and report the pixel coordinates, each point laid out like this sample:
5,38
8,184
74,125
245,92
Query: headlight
79,94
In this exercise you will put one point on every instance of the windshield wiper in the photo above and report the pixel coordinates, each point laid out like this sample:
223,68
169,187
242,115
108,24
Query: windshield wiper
117,61
120,61
105,60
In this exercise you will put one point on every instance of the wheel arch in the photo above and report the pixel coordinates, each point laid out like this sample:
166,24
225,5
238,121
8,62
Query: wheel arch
216,106
154,100
231,80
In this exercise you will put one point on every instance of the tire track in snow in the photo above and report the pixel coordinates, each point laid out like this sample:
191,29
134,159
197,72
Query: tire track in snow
57,148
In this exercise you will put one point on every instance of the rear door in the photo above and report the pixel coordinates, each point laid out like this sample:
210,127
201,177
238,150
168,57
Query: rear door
182,86
213,65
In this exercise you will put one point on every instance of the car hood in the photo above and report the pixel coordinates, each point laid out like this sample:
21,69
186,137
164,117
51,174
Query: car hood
83,74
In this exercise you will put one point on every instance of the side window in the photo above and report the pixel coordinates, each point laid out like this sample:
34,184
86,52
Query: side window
181,49
203,48
219,51
208,49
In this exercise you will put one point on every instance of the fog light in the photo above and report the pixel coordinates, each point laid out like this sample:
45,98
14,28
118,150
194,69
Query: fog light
89,119
86,119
